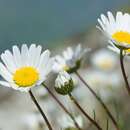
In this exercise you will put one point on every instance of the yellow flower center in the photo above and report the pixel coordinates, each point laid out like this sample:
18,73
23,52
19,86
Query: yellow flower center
122,37
26,76
127,51
66,68
106,64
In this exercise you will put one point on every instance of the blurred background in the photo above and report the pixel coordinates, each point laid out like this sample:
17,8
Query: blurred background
56,24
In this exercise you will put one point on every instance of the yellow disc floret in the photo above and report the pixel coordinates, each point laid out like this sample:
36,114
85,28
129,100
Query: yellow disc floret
26,76
66,68
122,37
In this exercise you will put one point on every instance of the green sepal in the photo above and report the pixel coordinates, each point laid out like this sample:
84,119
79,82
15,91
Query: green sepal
66,89
75,68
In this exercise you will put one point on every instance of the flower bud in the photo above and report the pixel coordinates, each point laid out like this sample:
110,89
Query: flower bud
64,83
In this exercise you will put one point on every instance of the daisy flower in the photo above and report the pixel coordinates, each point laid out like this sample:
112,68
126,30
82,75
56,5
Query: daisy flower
70,60
104,59
25,68
116,29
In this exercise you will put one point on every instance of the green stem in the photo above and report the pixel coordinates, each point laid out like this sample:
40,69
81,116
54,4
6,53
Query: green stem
62,106
40,110
123,72
86,115
100,101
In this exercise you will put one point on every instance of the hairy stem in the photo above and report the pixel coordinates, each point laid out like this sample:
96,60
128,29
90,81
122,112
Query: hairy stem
40,110
86,115
100,101
123,72
62,106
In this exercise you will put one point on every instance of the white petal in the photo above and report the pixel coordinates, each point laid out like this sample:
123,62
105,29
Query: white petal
111,21
68,53
101,24
104,19
8,60
5,73
57,67
31,54
43,60
41,81
22,89
5,84
17,56
37,58
48,68
78,51
115,49
24,54
60,60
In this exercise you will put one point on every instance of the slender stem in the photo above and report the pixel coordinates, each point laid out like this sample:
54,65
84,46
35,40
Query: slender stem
123,72
62,106
40,110
86,115
100,100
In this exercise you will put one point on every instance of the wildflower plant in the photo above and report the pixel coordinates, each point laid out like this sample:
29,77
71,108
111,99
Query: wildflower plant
63,85
22,70
118,33
27,67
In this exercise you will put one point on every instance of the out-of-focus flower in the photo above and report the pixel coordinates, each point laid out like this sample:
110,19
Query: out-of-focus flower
34,121
25,69
71,59
103,85
66,122
64,83
104,60
116,29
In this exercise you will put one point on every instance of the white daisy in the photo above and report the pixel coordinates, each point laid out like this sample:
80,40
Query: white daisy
66,122
116,29
25,69
104,59
70,61
104,83
64,83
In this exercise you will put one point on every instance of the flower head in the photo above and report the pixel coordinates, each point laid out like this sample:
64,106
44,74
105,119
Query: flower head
64,83
104,59
70,61
116,29
25,68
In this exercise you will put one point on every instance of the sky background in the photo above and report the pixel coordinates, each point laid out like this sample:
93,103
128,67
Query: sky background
49,21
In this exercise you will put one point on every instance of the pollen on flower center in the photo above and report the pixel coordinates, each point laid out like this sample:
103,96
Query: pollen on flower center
122,37
26,76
